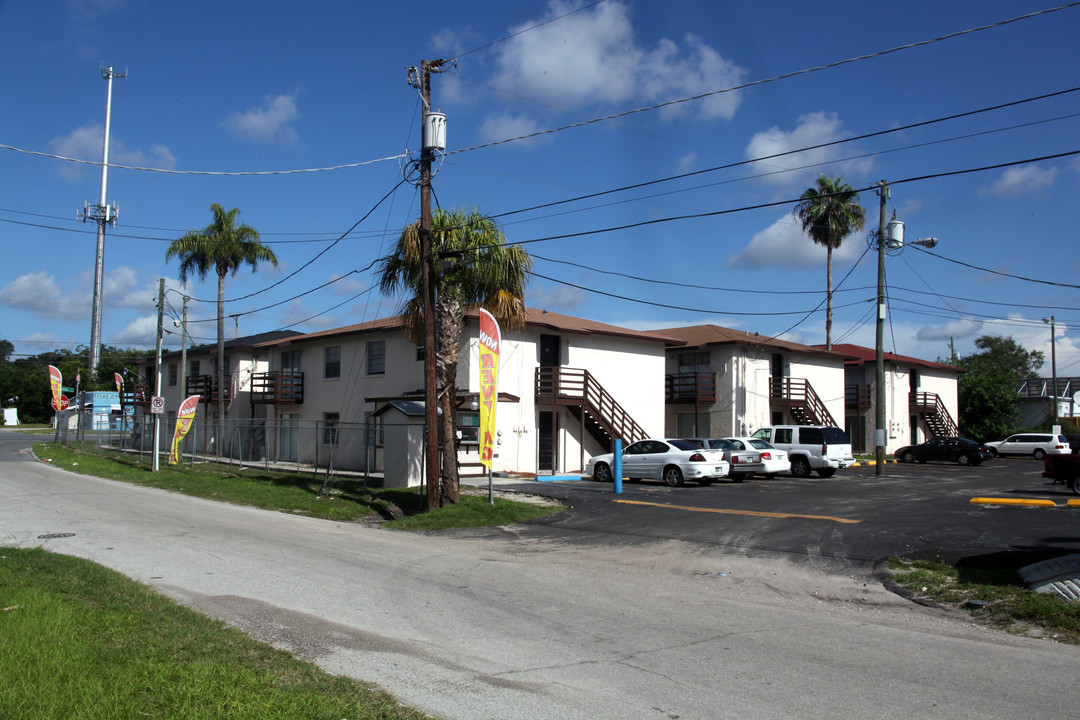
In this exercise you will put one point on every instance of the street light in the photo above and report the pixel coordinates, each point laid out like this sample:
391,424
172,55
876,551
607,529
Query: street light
1053,370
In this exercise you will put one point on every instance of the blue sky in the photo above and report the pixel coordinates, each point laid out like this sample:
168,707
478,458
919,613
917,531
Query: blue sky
215,89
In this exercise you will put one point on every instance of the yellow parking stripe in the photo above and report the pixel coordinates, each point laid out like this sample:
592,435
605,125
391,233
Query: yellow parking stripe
1013,501
741,512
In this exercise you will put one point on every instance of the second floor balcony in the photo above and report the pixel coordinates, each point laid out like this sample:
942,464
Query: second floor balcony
278,387
698,388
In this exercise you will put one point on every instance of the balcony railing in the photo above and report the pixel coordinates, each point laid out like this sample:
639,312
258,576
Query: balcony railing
858,396
278,387
206,386
691,387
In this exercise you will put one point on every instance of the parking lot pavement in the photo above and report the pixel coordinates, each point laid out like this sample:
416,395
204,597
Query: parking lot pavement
847,522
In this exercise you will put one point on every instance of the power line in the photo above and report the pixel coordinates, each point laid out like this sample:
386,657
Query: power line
765,81
525,30
997,272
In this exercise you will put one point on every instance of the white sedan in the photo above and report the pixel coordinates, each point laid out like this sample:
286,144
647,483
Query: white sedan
672,461
771,460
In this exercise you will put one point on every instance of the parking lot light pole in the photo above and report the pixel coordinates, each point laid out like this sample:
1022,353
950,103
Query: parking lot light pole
1053,370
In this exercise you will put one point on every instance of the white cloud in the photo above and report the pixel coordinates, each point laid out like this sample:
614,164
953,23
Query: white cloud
348,286
40,294
560,298
140,331
956,329
592,57
507,125
783,244
813,129
270,123
1025,180
85,143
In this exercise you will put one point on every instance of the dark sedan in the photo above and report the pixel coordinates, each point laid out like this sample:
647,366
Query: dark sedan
951,449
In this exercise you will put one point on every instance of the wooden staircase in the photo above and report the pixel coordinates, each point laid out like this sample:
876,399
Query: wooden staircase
593,406
938,420
799,397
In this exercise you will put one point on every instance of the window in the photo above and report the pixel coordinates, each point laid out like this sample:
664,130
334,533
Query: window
173,372
782,436
468,427
376,357
194,368
332,362
290,359
694,362
374,425
330,428
419,352
688,428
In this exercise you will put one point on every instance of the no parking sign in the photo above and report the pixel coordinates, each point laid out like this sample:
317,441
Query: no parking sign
157,405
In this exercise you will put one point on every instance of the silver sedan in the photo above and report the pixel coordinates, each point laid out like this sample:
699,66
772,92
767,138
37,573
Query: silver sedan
672,461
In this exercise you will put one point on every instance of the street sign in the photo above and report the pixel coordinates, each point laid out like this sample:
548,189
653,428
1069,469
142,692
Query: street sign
65,388
157,405
63,403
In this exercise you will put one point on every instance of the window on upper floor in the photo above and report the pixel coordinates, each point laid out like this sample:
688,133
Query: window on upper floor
332,362
376,357
173,373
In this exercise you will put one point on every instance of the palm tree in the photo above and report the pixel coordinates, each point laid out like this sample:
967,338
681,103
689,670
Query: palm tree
830,212
223,246
483,271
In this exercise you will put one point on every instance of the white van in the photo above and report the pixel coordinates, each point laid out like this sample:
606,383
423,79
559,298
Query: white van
821,448
1038,445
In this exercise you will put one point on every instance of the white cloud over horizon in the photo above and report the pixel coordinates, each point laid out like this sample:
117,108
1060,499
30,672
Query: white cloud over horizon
783,244
1023,180
269,123
802,168
85,143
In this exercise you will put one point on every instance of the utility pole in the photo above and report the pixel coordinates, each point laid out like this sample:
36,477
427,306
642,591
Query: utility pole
102,214
183,352
431,411
879,384
1053,370
155,462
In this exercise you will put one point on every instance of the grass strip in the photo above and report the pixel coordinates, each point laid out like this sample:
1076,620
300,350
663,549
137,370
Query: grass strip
348,500
996,596
81,642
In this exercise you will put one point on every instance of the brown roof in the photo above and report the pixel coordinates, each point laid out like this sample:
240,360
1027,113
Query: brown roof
701,336
534,317
859,355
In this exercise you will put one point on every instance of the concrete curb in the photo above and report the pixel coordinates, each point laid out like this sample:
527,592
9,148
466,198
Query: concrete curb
1014,501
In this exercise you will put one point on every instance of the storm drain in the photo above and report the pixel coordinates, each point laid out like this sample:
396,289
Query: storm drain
53,536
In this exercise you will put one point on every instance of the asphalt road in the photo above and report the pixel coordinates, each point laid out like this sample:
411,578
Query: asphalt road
559,620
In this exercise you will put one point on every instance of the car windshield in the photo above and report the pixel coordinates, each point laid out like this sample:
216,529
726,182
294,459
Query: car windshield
760,444
966,441
683,444
721,445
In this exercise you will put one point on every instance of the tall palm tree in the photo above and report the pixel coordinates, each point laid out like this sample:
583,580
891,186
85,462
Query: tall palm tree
222,246
483,270
829,212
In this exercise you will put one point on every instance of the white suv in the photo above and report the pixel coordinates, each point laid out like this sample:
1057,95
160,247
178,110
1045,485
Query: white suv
819,448
1038,445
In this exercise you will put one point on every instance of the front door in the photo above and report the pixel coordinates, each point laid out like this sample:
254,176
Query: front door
289,438
549,351
546,441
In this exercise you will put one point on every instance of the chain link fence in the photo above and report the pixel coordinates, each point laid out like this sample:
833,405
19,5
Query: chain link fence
379,452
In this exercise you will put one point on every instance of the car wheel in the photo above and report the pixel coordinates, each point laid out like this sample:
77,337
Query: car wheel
909,457
1039,454
673,476
994,452
738,477
602,473
1074,486
826,472
963,460
770,476
800,467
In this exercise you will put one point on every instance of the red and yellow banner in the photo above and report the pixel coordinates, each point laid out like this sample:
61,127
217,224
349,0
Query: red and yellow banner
56,380
490,342
185,416
119,382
